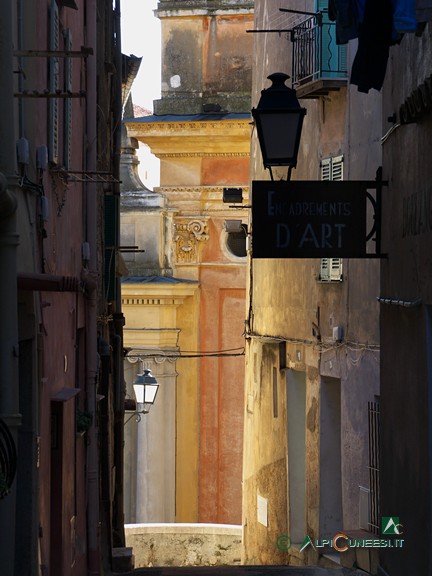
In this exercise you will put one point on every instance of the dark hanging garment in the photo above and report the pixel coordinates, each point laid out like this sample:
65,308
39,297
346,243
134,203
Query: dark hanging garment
404,16
347,14
375,38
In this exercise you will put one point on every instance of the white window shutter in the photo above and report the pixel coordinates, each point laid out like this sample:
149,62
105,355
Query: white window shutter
331,268
326,169
337,168
335,269
325,270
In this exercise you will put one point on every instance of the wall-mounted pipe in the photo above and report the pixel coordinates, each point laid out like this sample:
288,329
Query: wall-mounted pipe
91,206
9,382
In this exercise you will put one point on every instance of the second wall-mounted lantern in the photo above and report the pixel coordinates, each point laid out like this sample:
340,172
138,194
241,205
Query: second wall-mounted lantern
145,388
279,120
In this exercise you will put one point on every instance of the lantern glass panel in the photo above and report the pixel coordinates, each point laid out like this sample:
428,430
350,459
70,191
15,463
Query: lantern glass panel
150,393
280,136
139,393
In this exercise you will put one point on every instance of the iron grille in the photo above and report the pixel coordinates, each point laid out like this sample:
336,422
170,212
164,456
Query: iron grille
8,459
374,461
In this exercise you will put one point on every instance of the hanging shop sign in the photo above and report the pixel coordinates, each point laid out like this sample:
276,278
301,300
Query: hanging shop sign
316,219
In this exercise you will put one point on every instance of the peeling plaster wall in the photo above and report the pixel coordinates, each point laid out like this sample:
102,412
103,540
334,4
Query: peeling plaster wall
206,56
289,304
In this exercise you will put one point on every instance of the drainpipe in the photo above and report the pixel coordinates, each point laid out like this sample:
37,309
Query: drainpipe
118,519
9,399
93,559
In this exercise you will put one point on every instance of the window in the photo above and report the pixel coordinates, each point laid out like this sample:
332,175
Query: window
332,57
236,241
316,54
332,168
331,268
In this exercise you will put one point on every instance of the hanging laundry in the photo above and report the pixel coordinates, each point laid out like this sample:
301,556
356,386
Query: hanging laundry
404,16
375,38
348,14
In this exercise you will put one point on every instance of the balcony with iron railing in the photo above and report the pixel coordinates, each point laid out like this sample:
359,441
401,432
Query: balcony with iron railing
318,63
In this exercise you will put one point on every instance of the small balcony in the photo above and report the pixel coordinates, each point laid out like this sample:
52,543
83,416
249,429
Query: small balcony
319,64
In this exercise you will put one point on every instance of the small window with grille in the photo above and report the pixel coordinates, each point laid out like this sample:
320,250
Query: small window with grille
331,268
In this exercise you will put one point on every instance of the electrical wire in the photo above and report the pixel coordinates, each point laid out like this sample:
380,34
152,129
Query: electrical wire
320,346
229,352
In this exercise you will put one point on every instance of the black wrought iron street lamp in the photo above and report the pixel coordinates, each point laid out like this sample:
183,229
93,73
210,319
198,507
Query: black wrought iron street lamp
279,120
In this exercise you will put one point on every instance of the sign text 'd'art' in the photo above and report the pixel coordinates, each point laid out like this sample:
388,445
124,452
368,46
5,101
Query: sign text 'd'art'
310,219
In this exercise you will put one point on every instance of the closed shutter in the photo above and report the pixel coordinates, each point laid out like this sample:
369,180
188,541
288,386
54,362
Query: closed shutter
54,74
332,168
337,168
331,268
326,169
67,103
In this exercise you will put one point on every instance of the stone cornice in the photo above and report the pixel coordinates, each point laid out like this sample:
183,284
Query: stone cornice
200,191
167,8
203,155
153,294
136,129
143,338
185,139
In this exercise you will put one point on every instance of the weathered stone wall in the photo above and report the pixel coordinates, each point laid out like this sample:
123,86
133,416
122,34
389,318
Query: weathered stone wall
184,544
305,450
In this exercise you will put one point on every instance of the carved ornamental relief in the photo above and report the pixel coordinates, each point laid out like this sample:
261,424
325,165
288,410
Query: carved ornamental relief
188,234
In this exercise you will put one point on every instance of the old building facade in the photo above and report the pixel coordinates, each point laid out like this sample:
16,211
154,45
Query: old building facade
62,328
405,299
312,339
184,299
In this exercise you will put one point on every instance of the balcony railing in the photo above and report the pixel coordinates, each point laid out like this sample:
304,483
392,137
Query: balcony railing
319,64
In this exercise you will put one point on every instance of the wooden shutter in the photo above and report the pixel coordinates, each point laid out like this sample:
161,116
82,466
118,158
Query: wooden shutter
337,168
326,169
54,73
68,102
331,268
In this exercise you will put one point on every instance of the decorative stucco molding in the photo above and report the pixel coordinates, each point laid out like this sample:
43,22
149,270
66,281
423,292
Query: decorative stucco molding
201,189
196,127
204,5
152,301
149,356
188,235
204,155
